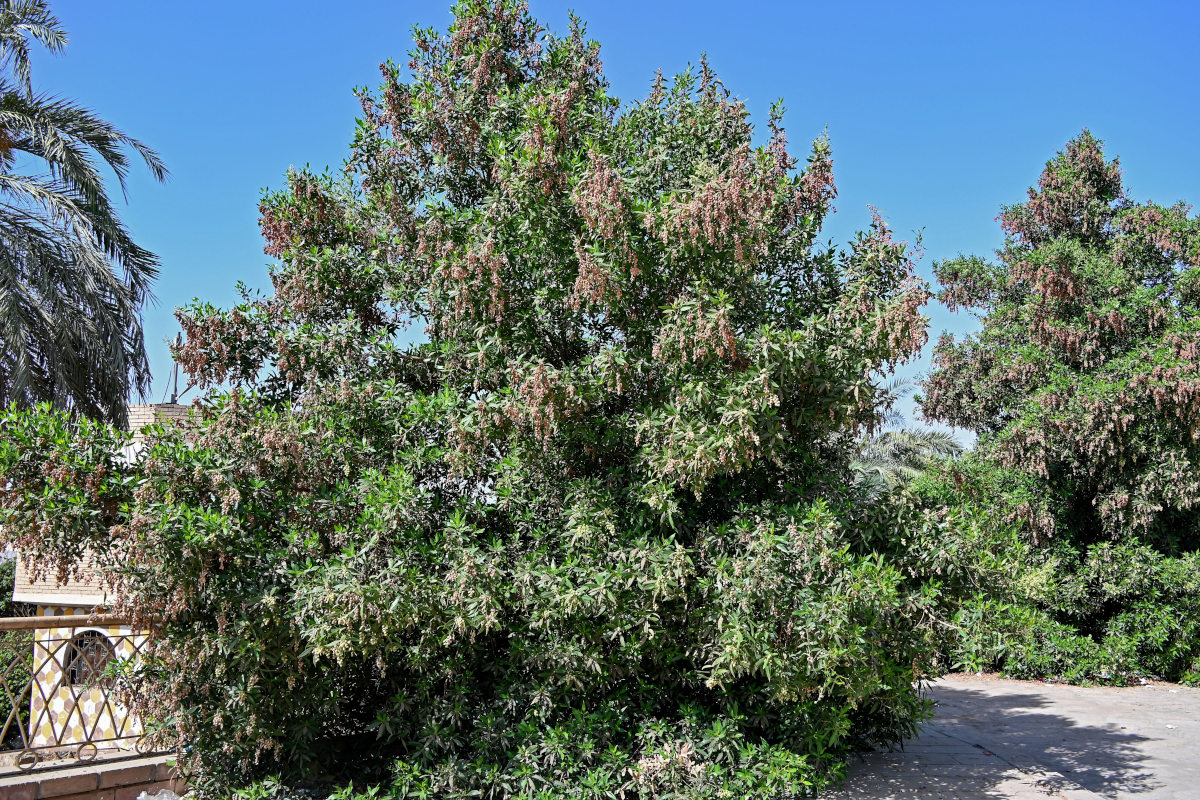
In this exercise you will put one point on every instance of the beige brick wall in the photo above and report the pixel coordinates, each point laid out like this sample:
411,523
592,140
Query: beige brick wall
143,415
86,591
48,591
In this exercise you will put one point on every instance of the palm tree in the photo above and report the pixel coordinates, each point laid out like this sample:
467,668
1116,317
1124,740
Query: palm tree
897,455
893,458
72,281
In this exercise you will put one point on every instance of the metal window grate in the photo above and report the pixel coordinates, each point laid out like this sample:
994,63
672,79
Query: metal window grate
61,684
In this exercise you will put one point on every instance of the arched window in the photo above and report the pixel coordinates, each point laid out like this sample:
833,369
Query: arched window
87,657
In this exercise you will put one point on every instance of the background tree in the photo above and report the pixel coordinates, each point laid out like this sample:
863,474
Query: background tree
891,459
594,533
1084,382
894,456
72,281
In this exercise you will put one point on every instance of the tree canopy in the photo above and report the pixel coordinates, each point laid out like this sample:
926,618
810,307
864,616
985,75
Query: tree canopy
1086,371
532,468
1083,386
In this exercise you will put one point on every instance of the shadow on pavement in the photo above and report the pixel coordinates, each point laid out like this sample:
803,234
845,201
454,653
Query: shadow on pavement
873,780
1102,758
985,745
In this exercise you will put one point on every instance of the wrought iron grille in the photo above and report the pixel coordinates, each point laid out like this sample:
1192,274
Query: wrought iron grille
58,678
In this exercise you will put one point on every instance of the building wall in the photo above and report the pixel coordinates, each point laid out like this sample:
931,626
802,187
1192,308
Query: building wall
61,713
47,590
143,416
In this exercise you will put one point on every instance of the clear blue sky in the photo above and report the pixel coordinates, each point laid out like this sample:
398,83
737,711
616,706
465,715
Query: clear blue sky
939,113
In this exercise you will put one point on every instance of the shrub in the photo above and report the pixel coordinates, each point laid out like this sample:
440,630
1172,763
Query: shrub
1114,612
592,533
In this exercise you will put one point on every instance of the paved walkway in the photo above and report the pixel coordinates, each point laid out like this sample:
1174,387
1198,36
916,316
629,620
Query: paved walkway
1021,740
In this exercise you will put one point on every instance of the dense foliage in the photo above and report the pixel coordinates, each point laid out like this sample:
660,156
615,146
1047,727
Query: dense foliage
8,583
16,657
1083,386
73,280
595,533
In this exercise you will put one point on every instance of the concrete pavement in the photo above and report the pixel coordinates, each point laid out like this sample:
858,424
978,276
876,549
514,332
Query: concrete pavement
1022,740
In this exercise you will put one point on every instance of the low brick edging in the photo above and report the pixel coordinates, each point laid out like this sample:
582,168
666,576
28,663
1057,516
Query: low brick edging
99,780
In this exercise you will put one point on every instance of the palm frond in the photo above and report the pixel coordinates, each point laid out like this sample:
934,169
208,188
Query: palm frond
71,328
21,20
72,280
894,458
62,133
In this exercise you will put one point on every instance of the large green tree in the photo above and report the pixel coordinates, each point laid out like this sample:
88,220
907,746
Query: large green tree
72,280
588,530
1083,384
